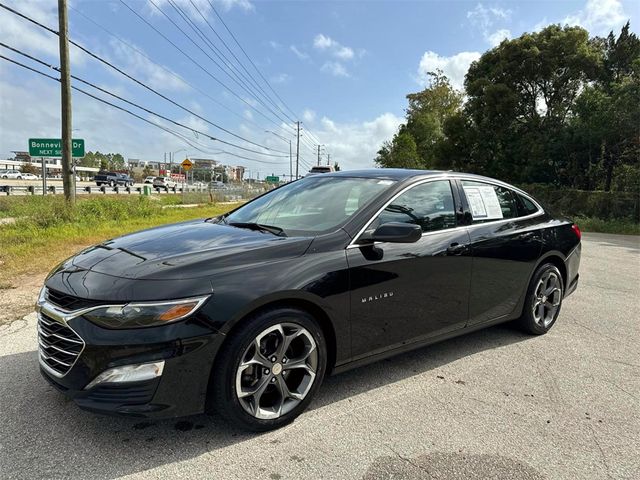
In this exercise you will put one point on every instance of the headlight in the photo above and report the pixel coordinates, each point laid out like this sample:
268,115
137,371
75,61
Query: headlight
137,315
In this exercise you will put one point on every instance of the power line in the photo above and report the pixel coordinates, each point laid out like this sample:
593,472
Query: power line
255,82
124,100
169,71
196,63
248,57
198,32
243,82
122,72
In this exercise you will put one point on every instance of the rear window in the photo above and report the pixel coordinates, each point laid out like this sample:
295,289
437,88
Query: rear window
525,206
489,202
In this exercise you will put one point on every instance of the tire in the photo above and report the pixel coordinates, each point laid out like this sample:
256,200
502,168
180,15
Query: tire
300,376
544,300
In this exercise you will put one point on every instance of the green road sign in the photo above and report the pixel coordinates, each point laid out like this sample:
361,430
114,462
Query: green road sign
52,147
272,179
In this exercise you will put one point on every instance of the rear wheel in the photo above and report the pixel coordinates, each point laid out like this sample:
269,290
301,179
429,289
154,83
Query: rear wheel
544,299
267,373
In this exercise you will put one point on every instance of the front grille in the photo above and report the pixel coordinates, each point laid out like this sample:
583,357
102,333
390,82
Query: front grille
60,346
68,302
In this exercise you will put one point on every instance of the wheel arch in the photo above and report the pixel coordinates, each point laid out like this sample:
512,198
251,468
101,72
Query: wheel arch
305,304
552,256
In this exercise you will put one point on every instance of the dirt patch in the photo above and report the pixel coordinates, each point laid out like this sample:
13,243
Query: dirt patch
18,299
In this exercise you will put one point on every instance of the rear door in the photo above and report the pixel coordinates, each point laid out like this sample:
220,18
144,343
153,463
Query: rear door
505,244
403,292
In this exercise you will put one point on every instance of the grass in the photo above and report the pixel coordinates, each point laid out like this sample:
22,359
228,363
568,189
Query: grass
592,224
47,230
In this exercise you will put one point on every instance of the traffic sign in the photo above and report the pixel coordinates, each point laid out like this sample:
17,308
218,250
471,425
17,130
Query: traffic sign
272,179
187,164
52,147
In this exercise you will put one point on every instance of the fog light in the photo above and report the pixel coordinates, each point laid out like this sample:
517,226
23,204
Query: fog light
128,373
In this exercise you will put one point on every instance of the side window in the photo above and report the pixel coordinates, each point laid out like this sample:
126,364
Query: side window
489,202
525,206
429,205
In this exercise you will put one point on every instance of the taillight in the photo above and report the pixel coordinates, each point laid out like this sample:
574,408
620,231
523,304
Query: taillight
576,230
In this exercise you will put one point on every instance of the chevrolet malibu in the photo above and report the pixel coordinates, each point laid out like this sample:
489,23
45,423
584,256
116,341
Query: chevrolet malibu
247,312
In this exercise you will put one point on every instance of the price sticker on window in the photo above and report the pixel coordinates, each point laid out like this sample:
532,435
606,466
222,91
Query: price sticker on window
484,203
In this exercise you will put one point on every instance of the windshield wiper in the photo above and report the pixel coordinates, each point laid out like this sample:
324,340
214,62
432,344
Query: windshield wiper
259,227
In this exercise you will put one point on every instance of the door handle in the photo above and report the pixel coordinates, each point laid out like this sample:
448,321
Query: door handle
456,249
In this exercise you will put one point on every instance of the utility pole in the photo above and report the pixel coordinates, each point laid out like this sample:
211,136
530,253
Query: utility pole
298,150
328,159
290,162
318,155
68,180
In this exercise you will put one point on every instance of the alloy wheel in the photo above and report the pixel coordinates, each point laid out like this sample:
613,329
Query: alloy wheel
276,371
547,299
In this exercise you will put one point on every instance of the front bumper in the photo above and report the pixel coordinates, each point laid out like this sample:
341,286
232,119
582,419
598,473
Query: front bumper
188,349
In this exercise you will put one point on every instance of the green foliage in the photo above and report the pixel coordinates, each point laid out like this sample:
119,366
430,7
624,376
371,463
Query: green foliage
582,203
29,167
553,107
417,142
108,161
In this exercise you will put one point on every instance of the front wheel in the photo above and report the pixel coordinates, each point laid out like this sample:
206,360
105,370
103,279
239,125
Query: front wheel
268,372
544,299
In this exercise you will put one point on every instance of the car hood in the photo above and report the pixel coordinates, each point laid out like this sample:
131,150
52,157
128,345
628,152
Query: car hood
191,249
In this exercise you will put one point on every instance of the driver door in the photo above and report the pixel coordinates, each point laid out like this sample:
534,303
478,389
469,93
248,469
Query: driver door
406,292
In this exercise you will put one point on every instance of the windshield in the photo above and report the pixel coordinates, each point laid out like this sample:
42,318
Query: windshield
310,206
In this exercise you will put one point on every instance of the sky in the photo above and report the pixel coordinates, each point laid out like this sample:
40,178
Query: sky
341,68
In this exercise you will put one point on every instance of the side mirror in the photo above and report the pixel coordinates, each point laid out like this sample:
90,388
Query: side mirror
397,232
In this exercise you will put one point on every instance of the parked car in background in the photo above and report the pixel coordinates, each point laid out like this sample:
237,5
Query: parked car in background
15,174
29,176
245,313
113,178
164,182
217,185
149,179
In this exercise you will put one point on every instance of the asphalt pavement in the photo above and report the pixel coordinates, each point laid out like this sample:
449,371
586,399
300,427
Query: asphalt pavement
491,404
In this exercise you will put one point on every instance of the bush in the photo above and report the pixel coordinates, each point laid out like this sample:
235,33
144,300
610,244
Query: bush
582,203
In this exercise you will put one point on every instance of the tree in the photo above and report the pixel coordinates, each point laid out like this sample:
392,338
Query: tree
29,167
417,142
520,97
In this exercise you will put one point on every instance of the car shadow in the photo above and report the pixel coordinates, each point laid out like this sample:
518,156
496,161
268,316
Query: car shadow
44,435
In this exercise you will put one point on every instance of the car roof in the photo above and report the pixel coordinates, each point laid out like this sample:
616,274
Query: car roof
383,173
400,174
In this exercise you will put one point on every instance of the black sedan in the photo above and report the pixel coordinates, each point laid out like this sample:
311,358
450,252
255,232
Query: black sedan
247,312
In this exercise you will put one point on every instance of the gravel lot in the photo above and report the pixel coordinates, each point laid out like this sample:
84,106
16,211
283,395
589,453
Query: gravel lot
492,404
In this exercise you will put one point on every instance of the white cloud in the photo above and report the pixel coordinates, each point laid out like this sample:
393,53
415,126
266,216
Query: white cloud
275,45
23,35
280,78
133,62
323,42
354,145
201,6
299,53
485,18
308,115
599,16
498,36
336,69
454,67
